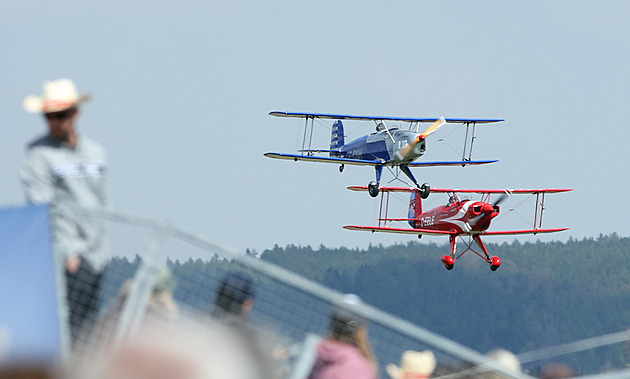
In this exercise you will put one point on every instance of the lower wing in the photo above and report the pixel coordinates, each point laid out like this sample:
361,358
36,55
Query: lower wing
311,158
367,162
398,230
450,163
527,231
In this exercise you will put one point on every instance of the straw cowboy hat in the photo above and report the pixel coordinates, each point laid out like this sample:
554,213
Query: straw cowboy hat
505,359
414,364
57,95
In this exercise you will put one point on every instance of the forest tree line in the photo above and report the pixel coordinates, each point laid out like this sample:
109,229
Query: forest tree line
544,294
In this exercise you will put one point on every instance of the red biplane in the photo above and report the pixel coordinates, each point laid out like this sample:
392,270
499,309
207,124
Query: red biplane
458,218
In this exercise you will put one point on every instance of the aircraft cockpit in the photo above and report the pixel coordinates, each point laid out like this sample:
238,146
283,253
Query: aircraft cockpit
452,200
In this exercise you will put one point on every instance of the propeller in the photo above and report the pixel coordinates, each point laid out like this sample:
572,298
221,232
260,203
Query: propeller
403,152
486,210
500,199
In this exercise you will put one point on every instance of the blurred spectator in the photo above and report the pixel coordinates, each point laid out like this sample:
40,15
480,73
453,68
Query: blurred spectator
346,353
413,364
67,169
233,303
161,303
160,308
182,351
27,371
506,360
235,297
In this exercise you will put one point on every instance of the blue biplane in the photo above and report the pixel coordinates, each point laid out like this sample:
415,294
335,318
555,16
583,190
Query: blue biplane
386,147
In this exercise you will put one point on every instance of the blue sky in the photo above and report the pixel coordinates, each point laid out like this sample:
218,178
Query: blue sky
181,95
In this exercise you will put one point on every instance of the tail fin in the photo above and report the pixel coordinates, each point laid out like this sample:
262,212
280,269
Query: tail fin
415,207
336,137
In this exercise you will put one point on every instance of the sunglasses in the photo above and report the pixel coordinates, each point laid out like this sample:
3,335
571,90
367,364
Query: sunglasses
63,115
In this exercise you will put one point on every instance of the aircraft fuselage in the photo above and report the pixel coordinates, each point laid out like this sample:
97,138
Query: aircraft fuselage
383,146
462,217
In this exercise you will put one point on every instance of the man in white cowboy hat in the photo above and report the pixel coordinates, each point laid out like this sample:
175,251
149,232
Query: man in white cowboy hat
413,365
68,171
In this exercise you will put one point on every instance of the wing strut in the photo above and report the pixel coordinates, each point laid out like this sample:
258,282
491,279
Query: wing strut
382,218
308,133
541,205
472,140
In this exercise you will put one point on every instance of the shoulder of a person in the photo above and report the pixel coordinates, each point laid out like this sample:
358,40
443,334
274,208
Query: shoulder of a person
88,144
42,142
87,141
356,368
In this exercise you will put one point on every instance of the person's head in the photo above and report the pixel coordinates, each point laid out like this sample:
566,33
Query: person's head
413,364
164,280
344,321
235,295
505,359
557,371
162,295
59,103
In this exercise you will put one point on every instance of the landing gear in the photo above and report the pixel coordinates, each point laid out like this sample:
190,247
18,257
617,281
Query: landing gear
341,168
373,186
425,190
448,262
373,189
495,263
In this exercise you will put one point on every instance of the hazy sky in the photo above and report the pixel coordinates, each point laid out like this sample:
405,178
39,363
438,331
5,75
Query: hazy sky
182,90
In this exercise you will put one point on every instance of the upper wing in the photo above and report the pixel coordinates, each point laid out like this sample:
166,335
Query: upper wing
398,230
367,118
481,191
507,190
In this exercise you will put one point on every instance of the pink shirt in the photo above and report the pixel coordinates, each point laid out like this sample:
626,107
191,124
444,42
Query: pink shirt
336,360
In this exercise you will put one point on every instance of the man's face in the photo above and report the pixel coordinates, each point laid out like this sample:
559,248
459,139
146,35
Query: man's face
61,124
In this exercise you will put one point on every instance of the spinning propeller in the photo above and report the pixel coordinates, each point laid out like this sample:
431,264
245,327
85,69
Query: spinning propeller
500,199
488,208
404,151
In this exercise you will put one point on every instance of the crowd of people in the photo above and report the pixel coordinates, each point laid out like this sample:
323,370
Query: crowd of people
68,170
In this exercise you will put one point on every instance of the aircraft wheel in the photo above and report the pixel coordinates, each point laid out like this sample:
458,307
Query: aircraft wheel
373,189
496,263
341,168
448,262
425,190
